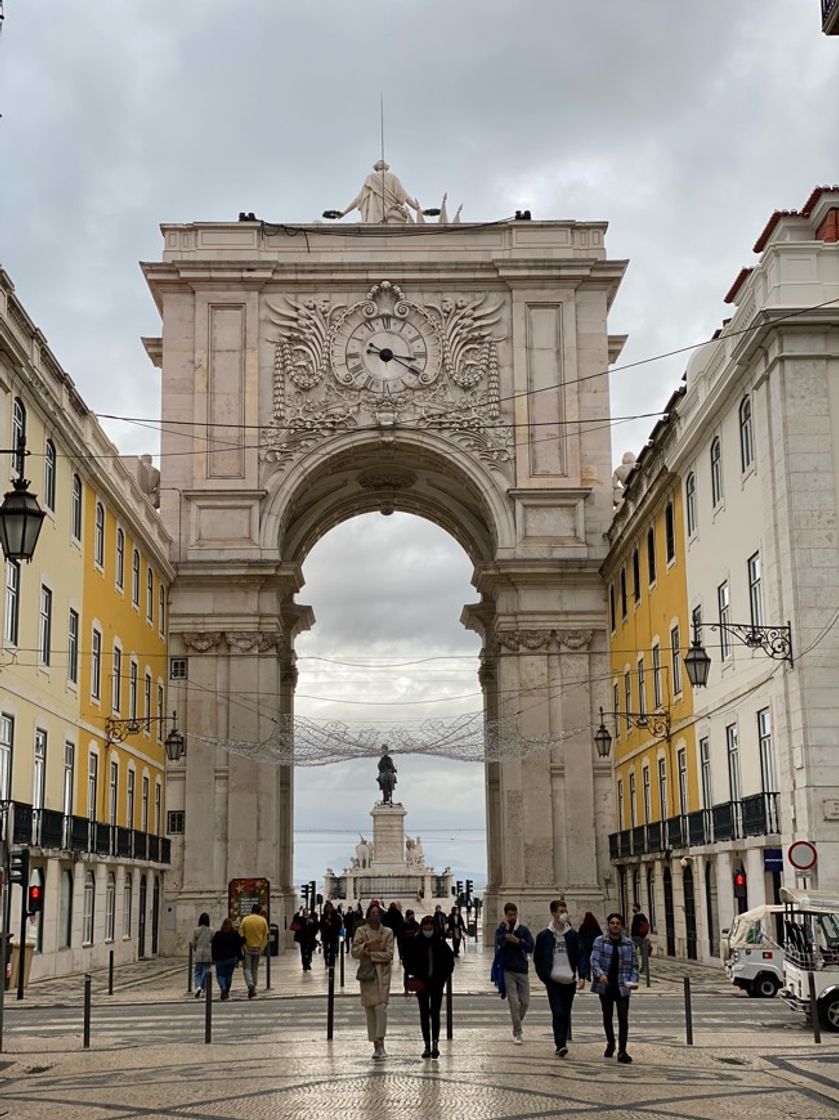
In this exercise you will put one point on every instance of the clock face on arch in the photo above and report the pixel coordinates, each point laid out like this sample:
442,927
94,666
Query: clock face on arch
386,353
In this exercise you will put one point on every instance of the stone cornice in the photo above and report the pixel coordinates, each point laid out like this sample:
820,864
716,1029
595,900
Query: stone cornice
516,641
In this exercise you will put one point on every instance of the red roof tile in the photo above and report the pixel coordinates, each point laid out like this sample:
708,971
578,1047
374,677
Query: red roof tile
735,287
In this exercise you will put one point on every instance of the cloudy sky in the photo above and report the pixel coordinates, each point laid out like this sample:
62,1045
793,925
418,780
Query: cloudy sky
684,125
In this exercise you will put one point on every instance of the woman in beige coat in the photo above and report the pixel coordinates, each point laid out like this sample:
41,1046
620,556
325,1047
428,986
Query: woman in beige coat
372,945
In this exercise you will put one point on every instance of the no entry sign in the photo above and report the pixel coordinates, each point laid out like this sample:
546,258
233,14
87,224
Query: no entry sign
802,855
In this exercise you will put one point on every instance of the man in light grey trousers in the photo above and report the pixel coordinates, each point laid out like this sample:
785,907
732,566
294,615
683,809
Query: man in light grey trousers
515,941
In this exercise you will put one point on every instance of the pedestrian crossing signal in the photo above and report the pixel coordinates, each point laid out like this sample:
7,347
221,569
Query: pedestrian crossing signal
35,900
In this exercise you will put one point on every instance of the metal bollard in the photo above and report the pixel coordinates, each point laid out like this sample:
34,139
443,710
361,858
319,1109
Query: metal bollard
330,1003
343,956
189,971
814,1008
688,1013
268,969
86,1026
449,1024
208,1005
111,972
645,958
569,1037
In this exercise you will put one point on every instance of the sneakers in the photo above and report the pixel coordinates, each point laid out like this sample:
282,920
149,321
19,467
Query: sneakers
624,1059
562,1051
518,1040
199,993
251,991
609,1052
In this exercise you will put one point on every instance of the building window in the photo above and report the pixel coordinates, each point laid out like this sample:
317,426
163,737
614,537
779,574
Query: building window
724,610
613,623
135,578
733,746
127,903
69,778
669,533
620,806
651,555
147,701
113,792
161,608
746,440
656,676
705,772
647,794
682,763
18,432
623,593
7,737
73,647
690,502
627,695
49,475
676,659
116,681
636,576
159,723
120,565
716,472
96,664
45,626
633,802
149,595
89,908
158,807
616,704
755,594
662,788
642,688
144,806
110,906
39,769
11,626
131,779
175,822
99,536
767,759
651,897
178,668
76,509
65,912
133,679
92,785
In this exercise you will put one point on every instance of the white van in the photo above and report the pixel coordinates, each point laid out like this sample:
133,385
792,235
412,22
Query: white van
752,953
811,932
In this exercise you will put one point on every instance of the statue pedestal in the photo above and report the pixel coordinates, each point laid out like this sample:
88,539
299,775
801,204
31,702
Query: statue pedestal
388,839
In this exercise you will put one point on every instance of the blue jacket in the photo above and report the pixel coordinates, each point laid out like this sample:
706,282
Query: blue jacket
514,956
601,958
543,956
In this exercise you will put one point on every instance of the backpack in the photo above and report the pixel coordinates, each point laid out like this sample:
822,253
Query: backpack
643,927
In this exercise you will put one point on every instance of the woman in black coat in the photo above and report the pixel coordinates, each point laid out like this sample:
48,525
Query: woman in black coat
430,964
330,932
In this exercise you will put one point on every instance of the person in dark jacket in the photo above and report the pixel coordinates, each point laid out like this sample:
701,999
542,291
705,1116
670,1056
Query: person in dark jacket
307,938
330,932
430,964
394,921
513,942
589,930
556,960
226,948
439,919
614,969
410,930
456,929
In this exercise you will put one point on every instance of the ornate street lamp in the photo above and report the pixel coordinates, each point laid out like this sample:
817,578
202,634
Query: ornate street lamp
20,515
657,723
175,744
118,730
602,738
775,641
697,662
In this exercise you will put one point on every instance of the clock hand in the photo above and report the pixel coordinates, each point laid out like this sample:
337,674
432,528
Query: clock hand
387,355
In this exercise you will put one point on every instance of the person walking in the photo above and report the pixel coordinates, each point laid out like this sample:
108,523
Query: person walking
306,937
330,932
372,947
513,942
439,920
455,929
202,953
589,930
226,951
430,963
615,971
394,921
410,931
556,959
639,931
254,931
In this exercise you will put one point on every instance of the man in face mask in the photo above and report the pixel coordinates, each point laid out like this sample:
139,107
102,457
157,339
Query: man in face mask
556,959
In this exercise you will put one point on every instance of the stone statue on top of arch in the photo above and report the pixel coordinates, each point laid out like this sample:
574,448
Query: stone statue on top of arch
387,776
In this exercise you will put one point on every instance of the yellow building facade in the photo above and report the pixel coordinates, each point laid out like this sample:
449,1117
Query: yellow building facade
651,703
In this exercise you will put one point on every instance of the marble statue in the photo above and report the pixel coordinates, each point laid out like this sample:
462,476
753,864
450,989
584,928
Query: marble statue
413,852
387,776
620,475
364,852
382,198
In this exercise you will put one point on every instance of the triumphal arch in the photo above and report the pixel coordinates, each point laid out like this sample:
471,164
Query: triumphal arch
444,368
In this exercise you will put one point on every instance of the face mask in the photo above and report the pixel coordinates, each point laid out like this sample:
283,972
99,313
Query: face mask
428,933
562,918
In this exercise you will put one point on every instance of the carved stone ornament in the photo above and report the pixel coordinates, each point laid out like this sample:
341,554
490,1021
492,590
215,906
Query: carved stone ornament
571,640
390,480
385,362
252,641
202,642
574,639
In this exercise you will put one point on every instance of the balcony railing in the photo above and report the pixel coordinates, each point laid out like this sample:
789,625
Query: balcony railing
624,844
639,840
654,843
50,830
760,814
676,837
698,828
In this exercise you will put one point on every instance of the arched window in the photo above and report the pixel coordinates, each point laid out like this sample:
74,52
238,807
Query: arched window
65,912
135,578
76,512
89,908
127,900
110,906
716,471
120,553
747,452
690,502
18,432
669,533
99,536
49,475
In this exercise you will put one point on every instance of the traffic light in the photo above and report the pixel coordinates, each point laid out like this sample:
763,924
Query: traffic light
469,888
35,900
313,890
459,890
739,883
305,894
19,867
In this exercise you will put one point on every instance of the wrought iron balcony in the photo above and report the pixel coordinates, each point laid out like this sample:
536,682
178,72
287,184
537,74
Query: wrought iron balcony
676,837
639,840
760,814
51,830
654,837
624,844
613,845
699,831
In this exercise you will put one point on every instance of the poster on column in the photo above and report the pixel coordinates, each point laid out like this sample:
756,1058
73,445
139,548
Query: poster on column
243,894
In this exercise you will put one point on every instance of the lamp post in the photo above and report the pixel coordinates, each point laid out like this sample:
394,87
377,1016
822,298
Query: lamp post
657,723
20,515
118,730
775,641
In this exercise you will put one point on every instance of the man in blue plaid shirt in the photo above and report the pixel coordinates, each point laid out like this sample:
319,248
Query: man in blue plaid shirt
614,969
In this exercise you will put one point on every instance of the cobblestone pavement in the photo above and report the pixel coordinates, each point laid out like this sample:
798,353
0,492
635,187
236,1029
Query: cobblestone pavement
753,1059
